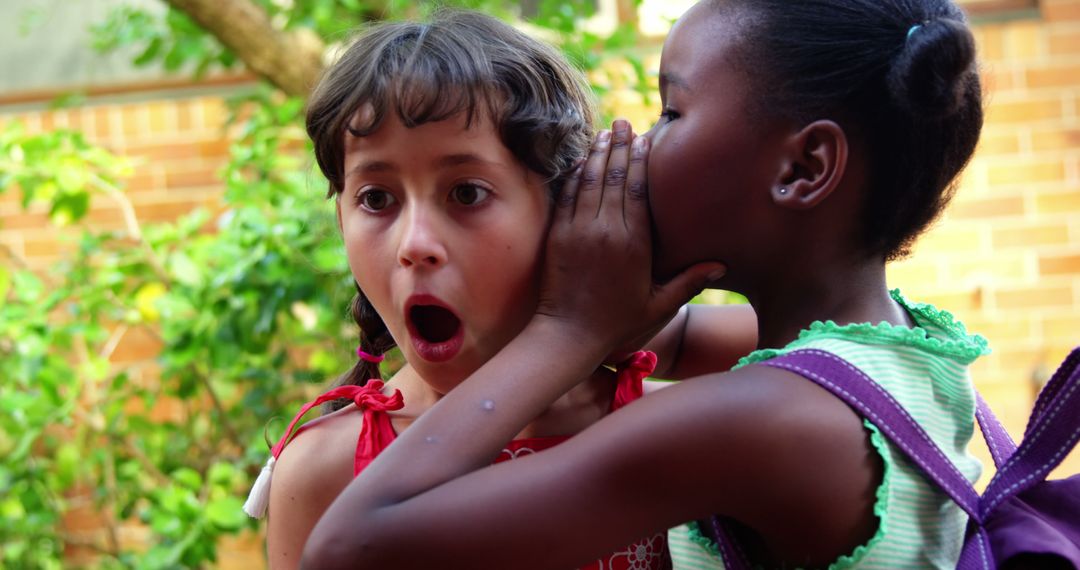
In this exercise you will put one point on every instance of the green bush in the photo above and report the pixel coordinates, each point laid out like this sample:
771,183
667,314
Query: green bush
248,303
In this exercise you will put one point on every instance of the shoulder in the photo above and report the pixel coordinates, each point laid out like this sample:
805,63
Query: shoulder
318,462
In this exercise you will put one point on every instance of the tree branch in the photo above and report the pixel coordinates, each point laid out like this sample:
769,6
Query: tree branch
290,60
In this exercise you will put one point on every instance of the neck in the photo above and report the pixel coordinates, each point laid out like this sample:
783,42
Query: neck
855,294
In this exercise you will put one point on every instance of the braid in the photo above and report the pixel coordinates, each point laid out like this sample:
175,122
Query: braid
375,339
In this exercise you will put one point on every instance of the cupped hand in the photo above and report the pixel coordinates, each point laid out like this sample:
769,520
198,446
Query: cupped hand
597,278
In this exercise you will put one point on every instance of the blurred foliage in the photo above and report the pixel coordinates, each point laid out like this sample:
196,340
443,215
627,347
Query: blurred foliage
247,302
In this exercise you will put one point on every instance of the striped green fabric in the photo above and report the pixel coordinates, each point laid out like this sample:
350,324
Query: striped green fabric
925,368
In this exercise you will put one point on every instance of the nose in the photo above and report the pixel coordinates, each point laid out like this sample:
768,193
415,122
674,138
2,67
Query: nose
421,241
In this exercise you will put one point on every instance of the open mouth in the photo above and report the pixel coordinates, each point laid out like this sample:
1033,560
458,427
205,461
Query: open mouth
434,324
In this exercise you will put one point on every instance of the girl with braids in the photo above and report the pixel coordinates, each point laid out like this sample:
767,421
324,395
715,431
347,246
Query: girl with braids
801,146
444,143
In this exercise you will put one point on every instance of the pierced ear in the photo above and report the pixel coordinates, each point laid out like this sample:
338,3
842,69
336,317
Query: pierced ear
817,159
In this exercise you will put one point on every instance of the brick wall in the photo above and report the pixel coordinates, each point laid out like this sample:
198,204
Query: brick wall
1006,256
179,143
1005,259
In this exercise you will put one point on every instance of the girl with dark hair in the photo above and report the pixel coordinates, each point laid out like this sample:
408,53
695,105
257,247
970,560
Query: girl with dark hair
443,143
801,146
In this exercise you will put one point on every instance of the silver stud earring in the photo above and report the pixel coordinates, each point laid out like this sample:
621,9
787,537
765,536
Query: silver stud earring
783,191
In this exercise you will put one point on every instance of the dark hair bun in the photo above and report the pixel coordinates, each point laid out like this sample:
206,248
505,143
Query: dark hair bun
934,71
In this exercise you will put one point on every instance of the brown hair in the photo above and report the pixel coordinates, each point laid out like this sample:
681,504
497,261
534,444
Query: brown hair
458,62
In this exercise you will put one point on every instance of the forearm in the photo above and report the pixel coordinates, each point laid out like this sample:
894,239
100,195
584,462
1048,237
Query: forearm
463,432
667,344
703,339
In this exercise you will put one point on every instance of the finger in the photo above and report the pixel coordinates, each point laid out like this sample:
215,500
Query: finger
591,184
636,199
615,171
684,287
565,200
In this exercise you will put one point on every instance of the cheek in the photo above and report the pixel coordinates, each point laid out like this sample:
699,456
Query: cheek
512,267
367,263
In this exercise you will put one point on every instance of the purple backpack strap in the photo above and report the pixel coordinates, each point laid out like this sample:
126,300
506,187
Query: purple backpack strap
998,440
857,390
1065,374
1052,432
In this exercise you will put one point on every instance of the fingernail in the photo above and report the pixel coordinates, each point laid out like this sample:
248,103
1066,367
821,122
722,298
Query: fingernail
620,126
717,274
640,145
604,136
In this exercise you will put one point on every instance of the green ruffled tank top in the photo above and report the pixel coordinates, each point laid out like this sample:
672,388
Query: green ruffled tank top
926,369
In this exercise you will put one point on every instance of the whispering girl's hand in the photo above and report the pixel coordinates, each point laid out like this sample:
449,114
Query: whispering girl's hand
597,278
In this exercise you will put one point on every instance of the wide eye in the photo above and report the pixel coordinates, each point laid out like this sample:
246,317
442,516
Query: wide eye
375,200
469,194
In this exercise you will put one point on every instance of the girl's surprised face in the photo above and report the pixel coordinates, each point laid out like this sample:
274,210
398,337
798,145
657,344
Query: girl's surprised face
443,229
712,164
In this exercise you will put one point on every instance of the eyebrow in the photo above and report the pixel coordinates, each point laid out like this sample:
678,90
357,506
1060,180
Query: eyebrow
447,161
668,78
462,158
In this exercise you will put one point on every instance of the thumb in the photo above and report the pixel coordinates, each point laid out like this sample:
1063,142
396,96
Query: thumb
684,286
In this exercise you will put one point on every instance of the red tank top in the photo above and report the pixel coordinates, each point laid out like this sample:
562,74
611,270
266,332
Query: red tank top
377,432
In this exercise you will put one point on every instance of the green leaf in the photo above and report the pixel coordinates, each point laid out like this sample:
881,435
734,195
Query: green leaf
187,477
226,513
66,464
69,207
5,283
184,270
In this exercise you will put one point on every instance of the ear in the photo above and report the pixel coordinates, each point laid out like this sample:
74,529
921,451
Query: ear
816,160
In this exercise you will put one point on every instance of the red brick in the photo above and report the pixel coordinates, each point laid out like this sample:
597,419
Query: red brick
145,179
1026,172
166,211
1001,331
1064,41
987,208
959,303
185,116
1055,327
1060,10
908,273
1036,234
1059,265
987,271
136,345
1035,297
217,148
133,121
196,178
47,247
1024,111
103,123
990,41
158,152
214,113
25,220
1007,142
161,118
48,122
1058,138
1058,202
1053,75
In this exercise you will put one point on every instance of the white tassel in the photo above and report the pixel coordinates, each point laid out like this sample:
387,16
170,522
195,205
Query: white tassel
259,497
